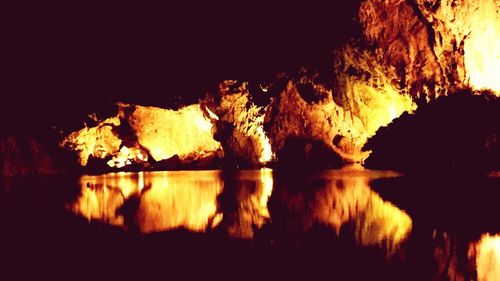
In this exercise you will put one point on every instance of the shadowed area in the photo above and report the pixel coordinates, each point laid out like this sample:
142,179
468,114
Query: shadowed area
459,132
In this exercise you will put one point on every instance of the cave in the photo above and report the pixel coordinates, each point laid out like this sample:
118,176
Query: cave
215,139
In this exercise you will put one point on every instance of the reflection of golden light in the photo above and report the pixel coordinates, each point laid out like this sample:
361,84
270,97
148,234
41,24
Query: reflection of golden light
488,258
140,184
100,204
102,195
346,198
189,200
351,199
254,190
168,200
382,223
266,177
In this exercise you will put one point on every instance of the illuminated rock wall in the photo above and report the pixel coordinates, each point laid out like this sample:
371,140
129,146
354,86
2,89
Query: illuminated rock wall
435,45
164,133
98,142
409,52
323,121
140,132
240,127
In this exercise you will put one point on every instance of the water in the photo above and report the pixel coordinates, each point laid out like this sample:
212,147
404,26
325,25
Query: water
343,224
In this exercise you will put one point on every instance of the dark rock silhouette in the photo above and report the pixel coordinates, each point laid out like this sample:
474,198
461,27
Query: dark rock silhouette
33,154
453,133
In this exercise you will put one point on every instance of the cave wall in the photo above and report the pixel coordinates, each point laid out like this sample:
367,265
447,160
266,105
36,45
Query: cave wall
409,52
436,46
141,135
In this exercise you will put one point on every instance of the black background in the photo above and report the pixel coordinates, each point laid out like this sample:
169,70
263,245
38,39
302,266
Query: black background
62,61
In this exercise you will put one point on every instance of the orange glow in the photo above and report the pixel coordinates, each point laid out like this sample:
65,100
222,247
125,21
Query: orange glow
168,200
266,178
488,258
211,114
98,142
189,133
345,199
101,196
482,47
375,101
353,116
180,199
126,156
474,24
249,139
266,153
161,133
165,133
350,198
252,211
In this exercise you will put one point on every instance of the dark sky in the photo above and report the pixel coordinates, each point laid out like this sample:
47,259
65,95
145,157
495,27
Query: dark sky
61,60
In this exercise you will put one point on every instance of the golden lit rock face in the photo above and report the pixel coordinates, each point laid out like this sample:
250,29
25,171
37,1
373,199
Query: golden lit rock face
363,108
487,254
246,140
165,133
435,45
160,133
167,200
318,121
98,142
409,50
475,26
403,43
367,90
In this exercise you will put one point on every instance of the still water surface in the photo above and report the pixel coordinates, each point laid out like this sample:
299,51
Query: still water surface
342,205
349,223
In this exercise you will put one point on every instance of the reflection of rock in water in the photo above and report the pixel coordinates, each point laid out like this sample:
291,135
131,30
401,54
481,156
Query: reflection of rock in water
100,203
244,202
161,200
340,200
182,199
462,258
101,196
451,257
